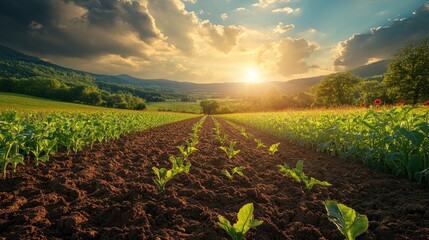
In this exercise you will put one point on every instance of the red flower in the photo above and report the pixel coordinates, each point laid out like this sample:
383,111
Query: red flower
400,103
377,102
363,104
426,103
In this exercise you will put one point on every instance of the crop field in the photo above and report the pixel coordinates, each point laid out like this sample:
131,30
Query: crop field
12,101
187,107
197,177
396,139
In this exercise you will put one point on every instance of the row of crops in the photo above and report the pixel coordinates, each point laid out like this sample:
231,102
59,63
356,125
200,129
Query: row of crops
394,139
39,135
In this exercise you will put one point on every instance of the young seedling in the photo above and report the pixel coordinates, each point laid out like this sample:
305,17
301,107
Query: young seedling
350,223
178,164
273,148
236,170
186,151
260,143
299,176
163,176
222,139
245,223
230,152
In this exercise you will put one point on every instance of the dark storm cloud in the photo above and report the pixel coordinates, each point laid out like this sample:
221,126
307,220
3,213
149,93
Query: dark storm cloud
382,42
77,28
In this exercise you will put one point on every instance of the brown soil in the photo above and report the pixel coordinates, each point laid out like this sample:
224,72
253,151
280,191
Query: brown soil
107,193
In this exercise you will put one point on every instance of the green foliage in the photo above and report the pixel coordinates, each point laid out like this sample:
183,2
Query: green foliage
235,170
209,106
179,165
162,177
245,134
350,223
407,74
336,89
298,175
394,139
187,150
39,135
273,148
243,225
370,90
230,152
260,143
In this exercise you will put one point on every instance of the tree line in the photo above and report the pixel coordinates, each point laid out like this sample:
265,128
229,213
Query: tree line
406,81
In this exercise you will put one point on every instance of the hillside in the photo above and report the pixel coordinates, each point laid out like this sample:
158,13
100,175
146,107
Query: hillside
14,64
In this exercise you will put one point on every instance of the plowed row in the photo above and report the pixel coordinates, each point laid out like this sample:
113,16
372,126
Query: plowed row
107,193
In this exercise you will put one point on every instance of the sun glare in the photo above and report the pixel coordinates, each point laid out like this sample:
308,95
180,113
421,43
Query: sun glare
252,75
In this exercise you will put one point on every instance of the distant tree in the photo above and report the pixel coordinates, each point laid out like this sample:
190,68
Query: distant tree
371,90
209,106
407,76
304,99
336,89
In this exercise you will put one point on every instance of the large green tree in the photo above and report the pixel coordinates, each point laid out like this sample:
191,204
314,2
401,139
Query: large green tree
336,89
407,76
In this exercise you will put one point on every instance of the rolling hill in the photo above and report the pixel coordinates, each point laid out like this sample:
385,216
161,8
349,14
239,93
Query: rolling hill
18,65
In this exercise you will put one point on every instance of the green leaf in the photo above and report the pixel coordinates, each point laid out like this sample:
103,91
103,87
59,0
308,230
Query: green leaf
244,224
350,223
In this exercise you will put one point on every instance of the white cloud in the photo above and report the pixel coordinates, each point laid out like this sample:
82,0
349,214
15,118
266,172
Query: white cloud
286,10
224,16
266,3
222,38
293,55
240,9
282,28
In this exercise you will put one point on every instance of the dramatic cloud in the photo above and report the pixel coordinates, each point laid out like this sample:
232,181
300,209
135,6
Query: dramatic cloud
222,38
294,53
77,28
175,22
282,28
286,10
382,42
266,3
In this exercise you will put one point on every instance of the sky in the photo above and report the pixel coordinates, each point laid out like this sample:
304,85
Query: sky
206,41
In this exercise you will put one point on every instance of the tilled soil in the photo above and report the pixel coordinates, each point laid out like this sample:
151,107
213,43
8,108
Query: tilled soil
107,192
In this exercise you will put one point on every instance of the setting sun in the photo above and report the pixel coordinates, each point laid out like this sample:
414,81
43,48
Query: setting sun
252,75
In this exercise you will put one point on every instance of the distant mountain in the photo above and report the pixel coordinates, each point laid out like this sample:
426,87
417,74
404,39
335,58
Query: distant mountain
16,64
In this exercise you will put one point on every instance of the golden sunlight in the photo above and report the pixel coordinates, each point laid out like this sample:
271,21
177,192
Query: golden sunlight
252,75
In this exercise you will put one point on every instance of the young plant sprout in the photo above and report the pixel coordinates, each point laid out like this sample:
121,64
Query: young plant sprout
243,225
260,143
235,170
298,175
273,148
230,152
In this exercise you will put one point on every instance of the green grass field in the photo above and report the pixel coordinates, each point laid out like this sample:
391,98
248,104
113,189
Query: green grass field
12,101
188,107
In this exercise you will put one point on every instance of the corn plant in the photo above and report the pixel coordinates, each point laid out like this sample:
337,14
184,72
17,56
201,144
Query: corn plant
235,170
273,148
186,150
350,223
243,225
39,135
230,152
222,139
260,143
298,175
393,139
179,164
162,177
